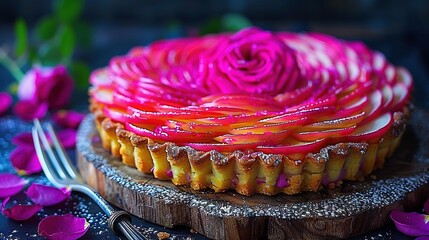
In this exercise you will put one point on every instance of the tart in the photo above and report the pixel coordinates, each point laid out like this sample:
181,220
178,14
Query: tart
253,111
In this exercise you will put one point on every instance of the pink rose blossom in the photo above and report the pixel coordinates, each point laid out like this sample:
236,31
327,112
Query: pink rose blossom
253,61
51,85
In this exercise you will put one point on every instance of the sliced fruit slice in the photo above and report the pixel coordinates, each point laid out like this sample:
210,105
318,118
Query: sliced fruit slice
102,94
177,135
372,131
357,93
100,77
295,96
179,115
387,93
400,96
267,137
374,106
271,127
319,103
390,73
294,146
170,135
206,112
244,102
221,147
199,127
311,113
403,76
122,116
321,134
238,120
353,107
334,123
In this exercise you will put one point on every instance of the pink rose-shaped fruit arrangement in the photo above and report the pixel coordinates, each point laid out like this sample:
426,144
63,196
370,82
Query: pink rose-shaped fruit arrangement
253,61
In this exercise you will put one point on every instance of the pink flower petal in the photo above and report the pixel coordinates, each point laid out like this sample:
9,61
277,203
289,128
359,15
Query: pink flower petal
68,119
46,195
24,159
5,102
67,137
10,184
25,138
28,110
63,227
411,224
422,238
19,212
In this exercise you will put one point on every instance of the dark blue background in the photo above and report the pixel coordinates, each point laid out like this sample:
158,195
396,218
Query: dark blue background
399,29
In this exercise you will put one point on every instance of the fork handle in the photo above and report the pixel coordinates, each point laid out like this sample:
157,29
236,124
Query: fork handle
120,222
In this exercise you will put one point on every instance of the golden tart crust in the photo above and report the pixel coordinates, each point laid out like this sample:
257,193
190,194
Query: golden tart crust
249,172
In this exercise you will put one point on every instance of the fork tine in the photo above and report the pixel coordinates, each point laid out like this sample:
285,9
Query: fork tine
46,165
55,167
65,160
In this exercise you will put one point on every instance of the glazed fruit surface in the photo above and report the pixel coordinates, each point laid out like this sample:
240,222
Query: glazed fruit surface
279,93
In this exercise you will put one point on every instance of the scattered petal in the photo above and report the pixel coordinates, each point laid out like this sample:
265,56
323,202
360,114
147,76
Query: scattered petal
67,137
68,119
5,102
10,184
25,138
422,238
63,227
28,110
24,159
411,224
19,212
46,195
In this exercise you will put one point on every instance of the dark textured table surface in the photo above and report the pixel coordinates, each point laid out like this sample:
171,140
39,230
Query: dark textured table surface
114,38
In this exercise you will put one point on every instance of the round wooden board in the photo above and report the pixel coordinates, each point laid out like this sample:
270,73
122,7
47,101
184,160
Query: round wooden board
349,210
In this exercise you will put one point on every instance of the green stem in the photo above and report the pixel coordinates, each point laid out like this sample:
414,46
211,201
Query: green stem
11,65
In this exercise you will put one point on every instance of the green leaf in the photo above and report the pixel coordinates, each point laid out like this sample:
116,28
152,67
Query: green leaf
234,22
46,28
49,54
33,57
66,42
212,26
83,34
80,72
68,11
21,37
227,23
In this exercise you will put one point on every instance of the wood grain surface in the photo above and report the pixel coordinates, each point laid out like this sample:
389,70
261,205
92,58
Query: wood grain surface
349,210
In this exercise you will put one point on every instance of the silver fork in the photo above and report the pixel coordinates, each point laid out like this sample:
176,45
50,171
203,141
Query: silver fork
60,172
